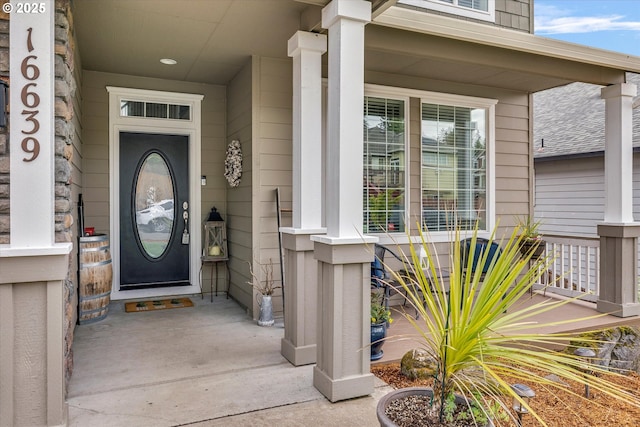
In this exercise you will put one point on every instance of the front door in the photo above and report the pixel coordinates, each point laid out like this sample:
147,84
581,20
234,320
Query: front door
154,210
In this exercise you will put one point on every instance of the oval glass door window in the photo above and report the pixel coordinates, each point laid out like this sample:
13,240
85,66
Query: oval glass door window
154,207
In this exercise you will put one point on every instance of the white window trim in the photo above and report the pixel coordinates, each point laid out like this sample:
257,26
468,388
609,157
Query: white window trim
454,9
191,128
443,99
400,95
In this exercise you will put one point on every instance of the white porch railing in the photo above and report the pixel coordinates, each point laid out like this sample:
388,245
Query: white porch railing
575,267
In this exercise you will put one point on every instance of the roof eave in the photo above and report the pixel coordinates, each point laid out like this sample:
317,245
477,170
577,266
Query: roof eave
443,26
570,156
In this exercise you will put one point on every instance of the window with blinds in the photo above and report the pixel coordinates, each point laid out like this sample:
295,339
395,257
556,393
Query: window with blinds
384,165
454,167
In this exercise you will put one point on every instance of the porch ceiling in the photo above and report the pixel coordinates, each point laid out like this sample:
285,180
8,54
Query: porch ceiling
213,40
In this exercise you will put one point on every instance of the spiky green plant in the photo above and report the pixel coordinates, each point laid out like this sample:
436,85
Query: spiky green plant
481,337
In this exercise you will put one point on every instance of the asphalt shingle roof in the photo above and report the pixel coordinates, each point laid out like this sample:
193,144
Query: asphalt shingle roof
570,119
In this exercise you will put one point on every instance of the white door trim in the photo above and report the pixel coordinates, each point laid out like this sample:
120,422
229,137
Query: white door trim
190,128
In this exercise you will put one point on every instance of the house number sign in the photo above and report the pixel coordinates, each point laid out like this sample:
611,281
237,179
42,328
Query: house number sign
30,101
32,122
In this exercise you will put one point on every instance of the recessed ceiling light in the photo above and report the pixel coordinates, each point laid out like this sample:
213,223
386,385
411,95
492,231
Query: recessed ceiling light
168,61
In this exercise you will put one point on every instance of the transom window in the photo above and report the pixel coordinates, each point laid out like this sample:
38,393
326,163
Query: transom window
478,9
155,110
454,166
384,165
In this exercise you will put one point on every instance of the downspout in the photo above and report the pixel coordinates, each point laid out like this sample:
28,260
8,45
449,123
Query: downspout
532,174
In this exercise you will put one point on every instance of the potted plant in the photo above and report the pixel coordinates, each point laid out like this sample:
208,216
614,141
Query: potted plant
481,340
266,288
530,237
380,319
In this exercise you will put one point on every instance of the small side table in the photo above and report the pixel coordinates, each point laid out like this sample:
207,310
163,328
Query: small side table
214,263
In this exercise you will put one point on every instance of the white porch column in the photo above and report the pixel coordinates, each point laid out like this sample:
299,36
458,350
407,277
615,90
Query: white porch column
300,334
343,366
32,267
618,177
618,234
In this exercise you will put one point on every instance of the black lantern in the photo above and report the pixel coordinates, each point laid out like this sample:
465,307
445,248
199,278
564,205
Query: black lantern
215,238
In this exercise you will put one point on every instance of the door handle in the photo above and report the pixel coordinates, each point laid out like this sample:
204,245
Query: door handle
185,216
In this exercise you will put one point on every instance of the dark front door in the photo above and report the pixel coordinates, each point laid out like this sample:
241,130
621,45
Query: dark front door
154,207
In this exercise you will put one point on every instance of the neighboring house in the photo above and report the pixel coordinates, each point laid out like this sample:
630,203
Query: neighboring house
443,88
569,159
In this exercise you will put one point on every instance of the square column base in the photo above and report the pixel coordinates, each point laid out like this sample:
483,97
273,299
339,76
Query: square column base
298,355
344,326
618,310
301,294
342,388
32,313
618,293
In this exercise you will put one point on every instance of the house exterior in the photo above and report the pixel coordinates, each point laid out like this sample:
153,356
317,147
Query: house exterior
323,97
569,159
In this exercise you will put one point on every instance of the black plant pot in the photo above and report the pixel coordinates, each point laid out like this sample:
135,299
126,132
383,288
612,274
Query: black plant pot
527,245
402,393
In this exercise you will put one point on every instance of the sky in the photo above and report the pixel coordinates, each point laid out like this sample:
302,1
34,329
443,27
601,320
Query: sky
605,24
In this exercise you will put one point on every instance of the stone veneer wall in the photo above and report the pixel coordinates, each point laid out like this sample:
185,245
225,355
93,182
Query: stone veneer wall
64,134
65,131
4,134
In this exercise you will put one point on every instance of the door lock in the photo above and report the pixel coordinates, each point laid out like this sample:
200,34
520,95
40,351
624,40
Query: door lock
185,216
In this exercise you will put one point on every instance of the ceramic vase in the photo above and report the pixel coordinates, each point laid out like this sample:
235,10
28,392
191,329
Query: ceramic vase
378,332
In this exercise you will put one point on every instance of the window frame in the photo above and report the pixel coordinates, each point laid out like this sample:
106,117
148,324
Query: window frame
442,98
489,105
455,9
376,91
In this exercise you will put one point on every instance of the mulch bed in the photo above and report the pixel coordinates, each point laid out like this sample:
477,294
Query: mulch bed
560,409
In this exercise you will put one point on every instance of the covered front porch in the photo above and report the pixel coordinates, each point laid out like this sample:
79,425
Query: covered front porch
212,365
292,96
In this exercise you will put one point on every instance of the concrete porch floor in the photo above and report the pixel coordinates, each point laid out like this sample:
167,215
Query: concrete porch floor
211,365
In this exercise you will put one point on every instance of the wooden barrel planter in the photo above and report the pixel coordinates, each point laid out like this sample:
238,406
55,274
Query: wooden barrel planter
94,289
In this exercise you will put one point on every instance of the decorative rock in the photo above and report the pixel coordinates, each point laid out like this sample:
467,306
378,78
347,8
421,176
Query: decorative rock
63,170
417,363
4,165
620,347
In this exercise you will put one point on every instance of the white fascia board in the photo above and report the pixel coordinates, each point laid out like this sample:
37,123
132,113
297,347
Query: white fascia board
443,26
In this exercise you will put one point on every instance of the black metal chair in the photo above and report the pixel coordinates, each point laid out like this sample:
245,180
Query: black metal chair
380,277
